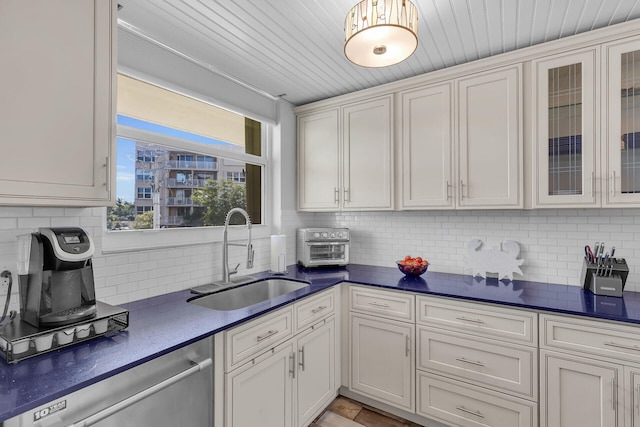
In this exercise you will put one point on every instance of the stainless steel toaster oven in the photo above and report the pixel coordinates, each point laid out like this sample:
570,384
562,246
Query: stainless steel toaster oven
319,247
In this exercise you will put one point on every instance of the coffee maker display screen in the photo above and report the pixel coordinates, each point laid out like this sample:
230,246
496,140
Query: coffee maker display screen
71,238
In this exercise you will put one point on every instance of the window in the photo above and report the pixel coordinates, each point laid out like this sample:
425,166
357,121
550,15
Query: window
144,193
145,156
144,175
143,209
200,160
236,176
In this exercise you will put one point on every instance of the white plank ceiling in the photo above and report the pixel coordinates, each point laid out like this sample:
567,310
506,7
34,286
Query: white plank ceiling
294,48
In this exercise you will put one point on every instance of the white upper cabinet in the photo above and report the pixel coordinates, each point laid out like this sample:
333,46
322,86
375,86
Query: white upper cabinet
319,161
427,148
487,148
345,157
489,134
621,133
57,109
367,129
565,129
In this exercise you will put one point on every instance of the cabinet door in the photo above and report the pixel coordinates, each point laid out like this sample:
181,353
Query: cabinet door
260,393
490,139
318,161
632,396
622,137
316,371
367,164
564,130
427,140
383,360
577,391
57,108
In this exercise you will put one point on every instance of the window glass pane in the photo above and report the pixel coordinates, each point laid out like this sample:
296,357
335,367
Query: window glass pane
630,115
565,130
182,162
186,189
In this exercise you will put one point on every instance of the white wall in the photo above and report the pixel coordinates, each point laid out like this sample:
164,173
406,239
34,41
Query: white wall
551,241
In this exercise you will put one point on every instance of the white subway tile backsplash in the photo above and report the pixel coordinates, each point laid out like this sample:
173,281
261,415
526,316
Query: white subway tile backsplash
551,241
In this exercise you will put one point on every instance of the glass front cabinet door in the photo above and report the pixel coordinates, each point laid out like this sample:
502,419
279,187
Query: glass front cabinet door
622,123
565,126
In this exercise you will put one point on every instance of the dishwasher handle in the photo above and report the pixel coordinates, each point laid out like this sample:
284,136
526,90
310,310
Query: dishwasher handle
98,416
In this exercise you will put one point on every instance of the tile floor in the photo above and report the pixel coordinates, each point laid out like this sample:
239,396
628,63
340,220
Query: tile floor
345,412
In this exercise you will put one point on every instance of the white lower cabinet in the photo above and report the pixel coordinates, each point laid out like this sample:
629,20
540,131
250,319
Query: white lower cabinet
463,404
590,365
315,371
632,396
383,360
578,391
261,391
477,365
288,383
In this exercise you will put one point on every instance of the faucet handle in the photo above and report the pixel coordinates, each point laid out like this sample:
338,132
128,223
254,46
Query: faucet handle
235,269
250,254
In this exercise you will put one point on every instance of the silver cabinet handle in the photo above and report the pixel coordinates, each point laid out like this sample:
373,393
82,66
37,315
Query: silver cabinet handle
292,365
467,319
301,361
98,416
107,165
461,190
267,335
593,183
613,185
448,190
336,194
470,362
623,346
346,195
377,304
637,390
319,309
407,346
469,411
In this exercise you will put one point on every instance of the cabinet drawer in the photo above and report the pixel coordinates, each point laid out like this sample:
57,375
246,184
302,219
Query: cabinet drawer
250,338
312,309
466,405
594,337
489,321
393,305
509,368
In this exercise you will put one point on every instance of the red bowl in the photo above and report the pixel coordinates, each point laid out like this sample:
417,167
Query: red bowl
412,270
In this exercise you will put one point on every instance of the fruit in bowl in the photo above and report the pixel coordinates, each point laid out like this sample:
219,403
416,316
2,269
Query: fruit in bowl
413,266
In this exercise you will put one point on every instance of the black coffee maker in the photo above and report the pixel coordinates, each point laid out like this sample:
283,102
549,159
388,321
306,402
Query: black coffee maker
58,288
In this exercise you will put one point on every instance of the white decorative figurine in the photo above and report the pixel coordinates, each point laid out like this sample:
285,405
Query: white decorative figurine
494,260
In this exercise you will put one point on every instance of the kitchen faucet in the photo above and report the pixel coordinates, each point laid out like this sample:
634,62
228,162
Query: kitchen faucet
226,273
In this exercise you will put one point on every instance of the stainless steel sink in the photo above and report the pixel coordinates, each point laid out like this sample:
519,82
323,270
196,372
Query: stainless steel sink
247,295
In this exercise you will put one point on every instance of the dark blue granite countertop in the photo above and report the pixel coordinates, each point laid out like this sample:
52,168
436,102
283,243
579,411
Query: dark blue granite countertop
162,324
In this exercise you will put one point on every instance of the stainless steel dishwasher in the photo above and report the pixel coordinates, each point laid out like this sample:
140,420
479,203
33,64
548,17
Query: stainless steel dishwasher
172,390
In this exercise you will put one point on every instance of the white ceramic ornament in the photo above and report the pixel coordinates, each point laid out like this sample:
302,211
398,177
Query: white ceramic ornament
483,261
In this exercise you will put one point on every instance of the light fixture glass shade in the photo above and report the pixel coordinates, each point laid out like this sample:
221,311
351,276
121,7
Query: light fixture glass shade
379,33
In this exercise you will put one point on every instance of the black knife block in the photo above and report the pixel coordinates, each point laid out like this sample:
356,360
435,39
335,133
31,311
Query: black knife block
612,285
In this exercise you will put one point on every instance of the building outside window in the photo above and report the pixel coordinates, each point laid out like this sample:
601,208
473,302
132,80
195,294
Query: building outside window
191,166
236,176
144,193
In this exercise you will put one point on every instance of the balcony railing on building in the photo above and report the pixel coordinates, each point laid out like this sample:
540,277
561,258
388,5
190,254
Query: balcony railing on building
189,183
192,164
180,201
173,220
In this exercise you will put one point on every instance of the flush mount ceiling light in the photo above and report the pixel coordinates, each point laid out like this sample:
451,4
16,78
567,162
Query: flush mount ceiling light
379,33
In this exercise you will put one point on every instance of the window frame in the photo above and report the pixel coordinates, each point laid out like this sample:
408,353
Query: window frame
133,240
